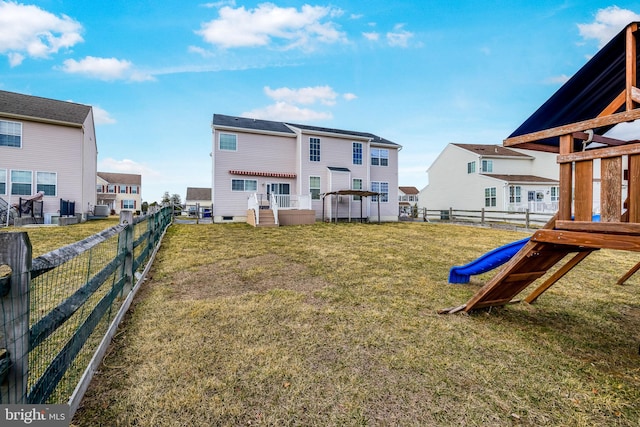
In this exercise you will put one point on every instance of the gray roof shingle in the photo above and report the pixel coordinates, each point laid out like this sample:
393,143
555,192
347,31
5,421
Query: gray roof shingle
198,193
283,127
121,178
18,105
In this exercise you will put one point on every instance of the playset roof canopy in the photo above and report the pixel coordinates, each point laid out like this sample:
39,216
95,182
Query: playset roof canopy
600,95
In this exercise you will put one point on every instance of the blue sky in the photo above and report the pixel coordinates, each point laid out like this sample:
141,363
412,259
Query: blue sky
420,73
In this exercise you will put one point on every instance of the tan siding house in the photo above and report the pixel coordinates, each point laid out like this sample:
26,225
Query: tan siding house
47,146
119,191
296,163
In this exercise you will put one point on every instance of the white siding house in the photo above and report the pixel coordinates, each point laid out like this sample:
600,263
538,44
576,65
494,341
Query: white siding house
298,163
47,146
475,176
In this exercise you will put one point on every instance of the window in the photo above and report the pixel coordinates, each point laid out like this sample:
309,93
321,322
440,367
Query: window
490,197
99,188
487,166
471,167
21,183
314,149
356,184
314,187
228,142
134,189
515,193
128,204
244,185
46,182
123,189
379,157
382,188
357,153
3,181
555,193
111,188
10,134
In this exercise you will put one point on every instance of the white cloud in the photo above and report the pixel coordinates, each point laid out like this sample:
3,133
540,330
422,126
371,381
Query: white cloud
105,69
126,166
102,116
270,24
399,37
373,36
28,31
283,111
349,96
200,51
306,95
561,79
219,4
608,22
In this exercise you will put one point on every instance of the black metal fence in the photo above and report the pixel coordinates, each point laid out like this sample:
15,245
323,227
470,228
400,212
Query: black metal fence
60,310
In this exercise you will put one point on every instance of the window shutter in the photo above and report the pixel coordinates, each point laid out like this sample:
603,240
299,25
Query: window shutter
121,204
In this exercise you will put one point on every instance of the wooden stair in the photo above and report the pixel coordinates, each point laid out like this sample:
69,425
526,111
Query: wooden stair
266,218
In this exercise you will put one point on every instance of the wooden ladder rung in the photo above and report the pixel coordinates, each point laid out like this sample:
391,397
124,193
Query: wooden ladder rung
520,277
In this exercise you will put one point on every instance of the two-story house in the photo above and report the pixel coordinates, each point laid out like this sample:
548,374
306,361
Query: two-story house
475,176
119,191
407,199
298,164
47,147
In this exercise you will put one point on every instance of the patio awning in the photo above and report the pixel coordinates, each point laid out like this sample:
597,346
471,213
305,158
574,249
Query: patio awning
265,174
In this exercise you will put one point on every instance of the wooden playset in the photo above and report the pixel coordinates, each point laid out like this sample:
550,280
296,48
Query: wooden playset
573,123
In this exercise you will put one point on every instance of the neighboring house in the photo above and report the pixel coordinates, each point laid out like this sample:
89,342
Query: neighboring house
298,164
119,191
48,147
475,176
407,198
198,197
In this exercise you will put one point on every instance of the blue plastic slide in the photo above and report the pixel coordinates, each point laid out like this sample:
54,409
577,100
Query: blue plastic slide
487,262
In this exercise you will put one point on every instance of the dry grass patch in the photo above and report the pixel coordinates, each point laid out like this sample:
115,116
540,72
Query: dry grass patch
337,325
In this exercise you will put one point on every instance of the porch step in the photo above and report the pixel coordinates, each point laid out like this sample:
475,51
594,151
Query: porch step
267,218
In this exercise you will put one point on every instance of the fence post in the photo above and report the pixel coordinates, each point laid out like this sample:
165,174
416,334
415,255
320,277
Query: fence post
450,214
125,244
15,251
526,218
482,216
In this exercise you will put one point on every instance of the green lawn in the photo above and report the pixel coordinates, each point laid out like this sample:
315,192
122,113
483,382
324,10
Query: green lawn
337,325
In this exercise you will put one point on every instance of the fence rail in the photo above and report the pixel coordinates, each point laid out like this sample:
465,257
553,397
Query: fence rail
61,309
524,219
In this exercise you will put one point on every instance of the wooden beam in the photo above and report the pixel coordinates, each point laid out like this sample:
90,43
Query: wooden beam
600,227
630,58
635,94
583,201
613,119
610,189
588,240
539,147
615,105
566,179
599,153
633,208
559,274
628,274
597,138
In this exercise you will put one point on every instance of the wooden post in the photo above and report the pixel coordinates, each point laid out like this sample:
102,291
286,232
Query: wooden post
15,251
125,244
526,218
450,214
566,180
482,217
